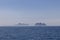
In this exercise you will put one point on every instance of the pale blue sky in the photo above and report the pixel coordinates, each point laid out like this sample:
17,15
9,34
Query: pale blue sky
29,11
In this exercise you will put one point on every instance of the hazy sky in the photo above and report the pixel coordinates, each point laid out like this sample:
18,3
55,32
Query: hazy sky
29,11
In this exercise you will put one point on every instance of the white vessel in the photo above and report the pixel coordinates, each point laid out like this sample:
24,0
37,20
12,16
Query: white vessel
22,24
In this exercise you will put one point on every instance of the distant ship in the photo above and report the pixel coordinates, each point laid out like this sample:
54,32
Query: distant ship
22,24
40,24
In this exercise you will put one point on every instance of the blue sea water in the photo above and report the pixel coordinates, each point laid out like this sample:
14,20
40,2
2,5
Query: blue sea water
30,33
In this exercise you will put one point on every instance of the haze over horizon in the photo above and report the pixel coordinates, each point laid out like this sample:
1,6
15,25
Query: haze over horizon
29,11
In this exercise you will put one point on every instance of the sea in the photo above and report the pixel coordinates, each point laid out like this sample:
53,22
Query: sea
29,33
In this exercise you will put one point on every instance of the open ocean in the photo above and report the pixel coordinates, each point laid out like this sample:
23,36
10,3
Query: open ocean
30,33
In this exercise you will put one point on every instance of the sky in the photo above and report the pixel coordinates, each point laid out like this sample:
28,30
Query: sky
29,11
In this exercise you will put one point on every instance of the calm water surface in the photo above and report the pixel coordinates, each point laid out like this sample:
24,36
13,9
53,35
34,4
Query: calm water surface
30,33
